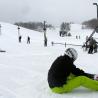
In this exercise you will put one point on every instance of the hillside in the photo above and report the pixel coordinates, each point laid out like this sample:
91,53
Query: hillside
24,67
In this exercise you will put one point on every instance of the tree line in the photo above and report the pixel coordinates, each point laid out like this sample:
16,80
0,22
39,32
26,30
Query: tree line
37,26
65,26
91,24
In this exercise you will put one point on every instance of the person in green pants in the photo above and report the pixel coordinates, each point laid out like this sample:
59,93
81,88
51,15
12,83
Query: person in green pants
64,76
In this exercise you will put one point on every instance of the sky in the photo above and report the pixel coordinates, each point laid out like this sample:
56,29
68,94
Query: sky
52,11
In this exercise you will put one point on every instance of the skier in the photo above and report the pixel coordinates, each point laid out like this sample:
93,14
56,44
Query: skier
91,45
28,40
95,46
63,76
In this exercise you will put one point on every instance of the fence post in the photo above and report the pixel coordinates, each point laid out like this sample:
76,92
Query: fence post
52,43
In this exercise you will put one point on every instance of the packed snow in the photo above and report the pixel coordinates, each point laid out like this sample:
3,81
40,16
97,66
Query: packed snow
24,67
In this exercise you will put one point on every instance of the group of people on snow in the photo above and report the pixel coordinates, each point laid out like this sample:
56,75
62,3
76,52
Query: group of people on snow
28,39
91,45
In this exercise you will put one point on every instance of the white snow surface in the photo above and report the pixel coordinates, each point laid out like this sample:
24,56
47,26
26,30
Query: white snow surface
24,67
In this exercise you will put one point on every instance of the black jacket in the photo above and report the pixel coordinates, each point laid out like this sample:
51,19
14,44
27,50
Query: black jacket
61,69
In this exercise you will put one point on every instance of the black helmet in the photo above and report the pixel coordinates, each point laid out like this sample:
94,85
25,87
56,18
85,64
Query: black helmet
72,53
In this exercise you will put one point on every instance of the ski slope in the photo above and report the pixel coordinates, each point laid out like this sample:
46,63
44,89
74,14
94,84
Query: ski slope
24,67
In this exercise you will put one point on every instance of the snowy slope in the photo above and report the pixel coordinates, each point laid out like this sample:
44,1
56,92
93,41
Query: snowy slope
24,67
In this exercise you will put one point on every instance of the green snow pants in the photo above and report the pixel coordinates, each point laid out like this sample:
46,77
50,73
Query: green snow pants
77,82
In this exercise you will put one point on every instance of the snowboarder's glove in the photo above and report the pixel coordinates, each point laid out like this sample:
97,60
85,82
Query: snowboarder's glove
96,77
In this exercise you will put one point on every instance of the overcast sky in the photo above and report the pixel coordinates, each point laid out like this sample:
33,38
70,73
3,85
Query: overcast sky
53,11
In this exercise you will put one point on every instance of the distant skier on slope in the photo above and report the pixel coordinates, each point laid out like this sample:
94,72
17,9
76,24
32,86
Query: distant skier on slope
28,40
63,76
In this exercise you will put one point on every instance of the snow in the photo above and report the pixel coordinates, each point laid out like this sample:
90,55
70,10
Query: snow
24,67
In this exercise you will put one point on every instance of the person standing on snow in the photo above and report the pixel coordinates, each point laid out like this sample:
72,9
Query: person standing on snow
95,46
63,76
28,40
91,43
